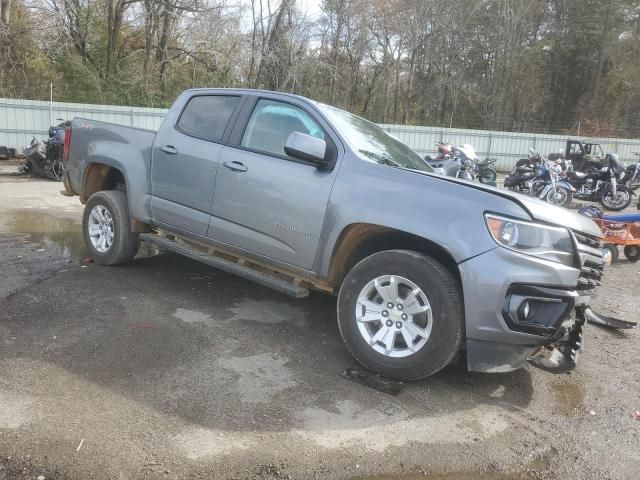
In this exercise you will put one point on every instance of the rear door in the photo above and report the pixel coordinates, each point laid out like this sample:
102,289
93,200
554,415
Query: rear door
185,161
264,201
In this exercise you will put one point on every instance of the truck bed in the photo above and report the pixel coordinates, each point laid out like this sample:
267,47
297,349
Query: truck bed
127,149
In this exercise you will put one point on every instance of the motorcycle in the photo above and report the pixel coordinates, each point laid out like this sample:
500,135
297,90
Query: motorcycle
632,174
461,162
523,173
484,173
606,185
549,186
466,156
444,163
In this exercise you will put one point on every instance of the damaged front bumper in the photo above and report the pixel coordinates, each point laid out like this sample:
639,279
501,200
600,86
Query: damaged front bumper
521,310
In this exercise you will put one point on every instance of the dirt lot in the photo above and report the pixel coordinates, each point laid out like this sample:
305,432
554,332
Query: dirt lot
166,368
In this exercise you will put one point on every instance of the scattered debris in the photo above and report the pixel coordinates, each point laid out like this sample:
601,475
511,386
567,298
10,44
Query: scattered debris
87,260
636,415
44,158
80,445
7,153
610,322
373,380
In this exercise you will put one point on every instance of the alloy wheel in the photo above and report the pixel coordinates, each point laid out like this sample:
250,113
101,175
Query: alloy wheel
394,316
101,228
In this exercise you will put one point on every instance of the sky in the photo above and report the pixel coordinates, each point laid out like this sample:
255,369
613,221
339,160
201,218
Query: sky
310,7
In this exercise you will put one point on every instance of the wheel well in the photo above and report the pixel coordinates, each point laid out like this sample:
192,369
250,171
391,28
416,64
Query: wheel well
101,177
360,240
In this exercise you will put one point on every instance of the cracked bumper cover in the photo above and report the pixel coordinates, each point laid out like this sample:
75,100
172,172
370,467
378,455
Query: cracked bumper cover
496,285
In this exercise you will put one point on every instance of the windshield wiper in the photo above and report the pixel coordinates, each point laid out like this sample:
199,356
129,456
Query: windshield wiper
380,158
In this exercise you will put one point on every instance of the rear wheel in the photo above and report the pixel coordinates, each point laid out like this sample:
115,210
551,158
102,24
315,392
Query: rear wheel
632,252
105,225
487,175
400,314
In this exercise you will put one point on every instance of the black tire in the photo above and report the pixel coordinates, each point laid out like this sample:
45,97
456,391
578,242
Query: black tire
487,175
632,252
125,243
566,197
447,308
608,204
615,254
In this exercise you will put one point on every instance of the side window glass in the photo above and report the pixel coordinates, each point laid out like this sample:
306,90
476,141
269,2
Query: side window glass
271,124
206,116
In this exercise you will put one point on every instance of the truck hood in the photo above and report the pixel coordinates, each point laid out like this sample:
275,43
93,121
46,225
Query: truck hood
537,209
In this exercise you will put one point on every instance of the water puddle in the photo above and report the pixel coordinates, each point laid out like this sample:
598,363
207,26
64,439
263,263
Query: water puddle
58,235
570,397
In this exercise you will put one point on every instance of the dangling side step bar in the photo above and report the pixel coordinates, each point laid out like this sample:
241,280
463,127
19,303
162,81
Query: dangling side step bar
239,268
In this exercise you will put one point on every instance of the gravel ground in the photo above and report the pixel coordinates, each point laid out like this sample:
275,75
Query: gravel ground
168,369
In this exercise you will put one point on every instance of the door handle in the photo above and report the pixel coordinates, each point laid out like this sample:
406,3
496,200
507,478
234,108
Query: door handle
235,166
169,149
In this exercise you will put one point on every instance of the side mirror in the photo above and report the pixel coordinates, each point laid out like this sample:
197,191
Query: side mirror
305,147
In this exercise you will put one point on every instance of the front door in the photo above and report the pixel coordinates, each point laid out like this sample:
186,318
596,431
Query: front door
264,201
185,161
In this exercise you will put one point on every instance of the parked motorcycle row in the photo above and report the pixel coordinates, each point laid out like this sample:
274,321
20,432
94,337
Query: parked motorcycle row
553,181
558,183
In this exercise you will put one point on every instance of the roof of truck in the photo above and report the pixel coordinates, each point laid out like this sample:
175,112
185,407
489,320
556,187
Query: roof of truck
250,91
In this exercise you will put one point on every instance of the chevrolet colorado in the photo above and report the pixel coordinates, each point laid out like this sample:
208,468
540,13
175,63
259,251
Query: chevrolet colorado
298,195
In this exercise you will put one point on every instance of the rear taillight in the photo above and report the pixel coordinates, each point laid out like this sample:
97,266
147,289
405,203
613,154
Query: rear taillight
67,144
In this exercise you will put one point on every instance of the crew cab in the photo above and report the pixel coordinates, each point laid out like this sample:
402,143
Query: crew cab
298,195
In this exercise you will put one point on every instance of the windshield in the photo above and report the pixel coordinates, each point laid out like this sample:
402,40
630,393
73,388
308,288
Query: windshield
373,143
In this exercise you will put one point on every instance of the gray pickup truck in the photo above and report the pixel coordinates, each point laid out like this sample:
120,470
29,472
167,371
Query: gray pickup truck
298,195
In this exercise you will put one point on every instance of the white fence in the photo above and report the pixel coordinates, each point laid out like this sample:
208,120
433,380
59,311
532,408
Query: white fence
21,120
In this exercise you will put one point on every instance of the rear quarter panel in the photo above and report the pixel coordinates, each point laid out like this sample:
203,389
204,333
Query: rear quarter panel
124,148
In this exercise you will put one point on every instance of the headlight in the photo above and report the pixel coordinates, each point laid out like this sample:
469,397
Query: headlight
550,243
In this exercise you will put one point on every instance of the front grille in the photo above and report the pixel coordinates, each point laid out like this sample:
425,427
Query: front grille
592,266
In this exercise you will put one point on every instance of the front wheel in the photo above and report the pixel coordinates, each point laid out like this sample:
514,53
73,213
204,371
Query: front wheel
561,197
487,175
105,224
632,252
617,202
400,314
